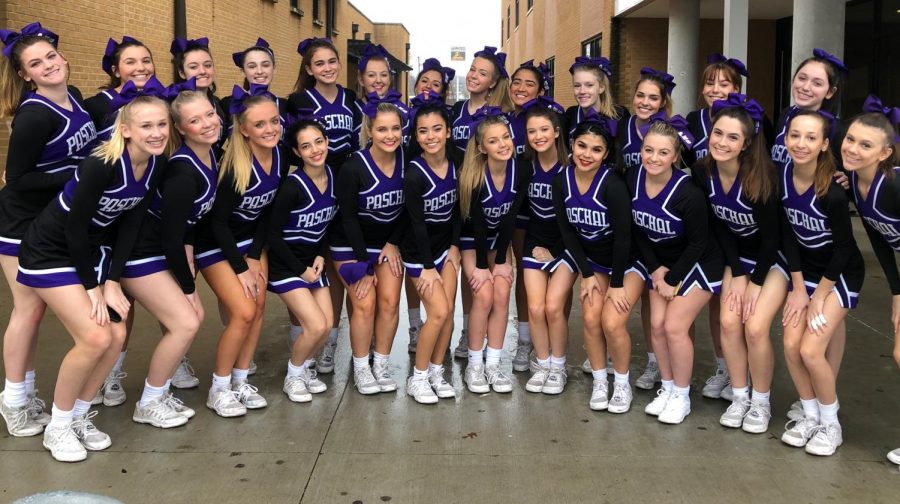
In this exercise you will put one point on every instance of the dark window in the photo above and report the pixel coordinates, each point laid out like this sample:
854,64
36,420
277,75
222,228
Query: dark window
295,7
317,16
507,21
551,65
530,4
517,13
591,46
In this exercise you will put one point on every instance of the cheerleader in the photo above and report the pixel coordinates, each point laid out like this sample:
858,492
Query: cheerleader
364,245
301,214
257,63
592,87
685,266
434,77
652,98
491,190
869,152
51,133
431,251
824,251
64,258
229,250
160,272
594,214
374,76
739,182
192,58
128,60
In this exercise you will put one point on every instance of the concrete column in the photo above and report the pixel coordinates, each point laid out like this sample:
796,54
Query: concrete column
817,23
684,46
735,20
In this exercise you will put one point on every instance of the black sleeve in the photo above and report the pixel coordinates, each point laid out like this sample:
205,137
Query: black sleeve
718,229
567,231
97,107
32,128
130,225
766,215
618,204
347,190
696,226
413,187
789,244
696,128
837,209
288,199
508,222
261,237
179,189
479,229
456,222
94,176
357,120
569,118
401,226
621,134
227,199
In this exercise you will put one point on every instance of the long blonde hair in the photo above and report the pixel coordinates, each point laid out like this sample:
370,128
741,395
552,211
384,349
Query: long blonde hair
238,157
112,149
365,131
605,104
471,175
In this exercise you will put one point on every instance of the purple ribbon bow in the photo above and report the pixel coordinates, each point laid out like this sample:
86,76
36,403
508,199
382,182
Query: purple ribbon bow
421,100
239,96
834,60
305,43
753,108
447,73
497,57
483,113
373,101
373,51
667,79
733,62
171,92
678,123
111,47
238,57
610,125
353,272
130,91
545,102
181,45
598,61
10,38
873,104
830,120
544,70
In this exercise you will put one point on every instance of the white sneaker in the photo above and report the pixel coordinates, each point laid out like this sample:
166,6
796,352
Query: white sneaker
475,379
620,402
295,388
325,360
520,360
599,395
649,378
727,394
756,421
658,404
537,380
414,337
715,384
90,436
64,446
158,413
556,381
365,381
225,403
179,407
799,432
37,409
18,421
313,383
795,412
441,387
733,417
252,369
420,390
586,366
826,440
382,375
677,407
498,380
112,391
248,395
894,456
184,377
462,347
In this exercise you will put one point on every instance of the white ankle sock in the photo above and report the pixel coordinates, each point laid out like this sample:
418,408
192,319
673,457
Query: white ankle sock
668,385
14,394
741,392
524,333
600,374
810,408
681,391
621,378
559,362
492,357
360,362
239,374
380,359
30,377
545,363
293,370
150,393
419,374
81,408
60,418
761,397
308,363
828,413
476,357
435,369
220,382
117,367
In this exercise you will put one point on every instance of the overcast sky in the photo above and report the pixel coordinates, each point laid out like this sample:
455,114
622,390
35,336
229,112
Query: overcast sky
432,24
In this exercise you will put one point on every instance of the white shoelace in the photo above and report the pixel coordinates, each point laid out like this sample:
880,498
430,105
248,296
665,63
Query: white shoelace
84,426
226,398
186,367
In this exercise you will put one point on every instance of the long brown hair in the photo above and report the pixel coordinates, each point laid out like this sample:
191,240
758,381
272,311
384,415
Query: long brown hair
709,75
825,163
562,154
115,81
663,92
12,85
304,79
880,122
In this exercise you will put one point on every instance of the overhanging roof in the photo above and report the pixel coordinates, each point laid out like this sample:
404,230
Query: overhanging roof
709,9
355,48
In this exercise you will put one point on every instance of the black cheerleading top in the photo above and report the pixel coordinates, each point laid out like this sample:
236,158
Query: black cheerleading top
342,120
432,203
880,213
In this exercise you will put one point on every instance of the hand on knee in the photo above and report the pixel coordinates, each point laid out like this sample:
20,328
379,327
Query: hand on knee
484,298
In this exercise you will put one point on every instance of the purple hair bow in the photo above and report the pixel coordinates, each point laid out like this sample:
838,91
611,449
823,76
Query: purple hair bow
873,104
497,57
447,73
753,108
544,102
834,60
305,43
130,91
830,120
373,101
733,62
610,125
483,113
239,97
302,114
373,51
667,79
171,92
678,123
238,57
598,61
10,38
422,100
353,272
181,45
111,47
544,70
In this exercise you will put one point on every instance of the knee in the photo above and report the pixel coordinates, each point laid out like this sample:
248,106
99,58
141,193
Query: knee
98,340
811,354
612,323
501,292
440,313
243,315
591,317
189,326
674,329
555,308
729,324
792,349
756,333
364,307
33,313
389,303
484,298
317,329
536,309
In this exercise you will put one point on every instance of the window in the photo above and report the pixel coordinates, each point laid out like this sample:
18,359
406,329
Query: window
551,65
317,15
530,4
591,46
295,7
507,21
517,13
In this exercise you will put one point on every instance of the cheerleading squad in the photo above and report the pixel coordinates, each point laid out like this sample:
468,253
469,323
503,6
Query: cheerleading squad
126,196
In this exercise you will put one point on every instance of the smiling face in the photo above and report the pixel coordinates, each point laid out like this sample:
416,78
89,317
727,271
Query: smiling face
261,125
496,143
376,78
312,147
727,139
432,80
136,65
806,139
198,63
258,67
810,86
198,122
647,100
864,146
717,88
43,65
588,152
541,134
147,127
386,131
658,153
324,66
524,86
432,133
481,76
587,88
